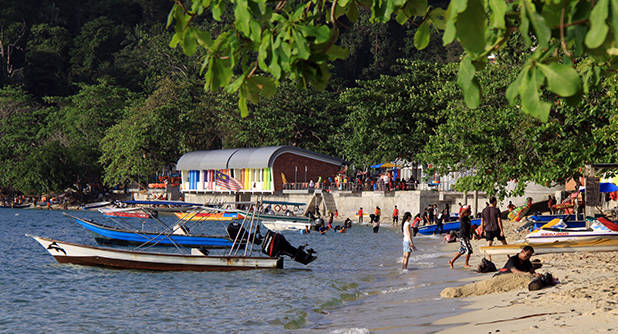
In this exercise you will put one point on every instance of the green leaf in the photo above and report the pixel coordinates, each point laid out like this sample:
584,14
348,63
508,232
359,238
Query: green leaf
498,11
561,79
321,33
512,90
337,52
543,33
421,37
529,92
262,85
217,9
466,80
524,24
242,17
203,38
615,19
301,45
263,50
172,15
598,29
449,33
242,105
189,44
438,18
471,27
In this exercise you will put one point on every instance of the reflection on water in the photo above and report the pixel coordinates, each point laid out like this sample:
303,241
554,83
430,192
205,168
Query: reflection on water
355,285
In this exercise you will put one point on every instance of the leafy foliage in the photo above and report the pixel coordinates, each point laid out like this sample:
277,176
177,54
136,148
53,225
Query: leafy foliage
394,116
294,40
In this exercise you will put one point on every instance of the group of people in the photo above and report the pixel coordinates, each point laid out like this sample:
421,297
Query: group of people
491,228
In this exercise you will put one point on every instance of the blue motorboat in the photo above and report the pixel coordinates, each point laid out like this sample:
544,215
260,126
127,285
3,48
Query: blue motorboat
111,235
446,228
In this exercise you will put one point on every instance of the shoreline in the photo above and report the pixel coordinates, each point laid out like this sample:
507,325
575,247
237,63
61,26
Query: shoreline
586,299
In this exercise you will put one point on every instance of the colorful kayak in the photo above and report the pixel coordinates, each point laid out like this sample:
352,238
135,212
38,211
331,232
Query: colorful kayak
595,245
209,216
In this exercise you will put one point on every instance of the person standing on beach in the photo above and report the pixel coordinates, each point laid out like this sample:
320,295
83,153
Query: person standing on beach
465,234
378,213
491,224
395,216
360,215
408,245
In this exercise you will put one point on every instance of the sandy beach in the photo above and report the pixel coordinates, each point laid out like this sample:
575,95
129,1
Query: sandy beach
584,301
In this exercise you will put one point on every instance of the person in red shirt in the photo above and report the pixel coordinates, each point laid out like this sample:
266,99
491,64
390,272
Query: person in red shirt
360,215
415,223
395,216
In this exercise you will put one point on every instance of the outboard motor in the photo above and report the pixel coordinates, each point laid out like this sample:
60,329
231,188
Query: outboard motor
275,244
234,228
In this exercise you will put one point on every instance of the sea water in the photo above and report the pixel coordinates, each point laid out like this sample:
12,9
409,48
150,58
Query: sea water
356,285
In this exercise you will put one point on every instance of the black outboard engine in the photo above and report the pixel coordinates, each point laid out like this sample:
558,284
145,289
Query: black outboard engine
234,229
275,244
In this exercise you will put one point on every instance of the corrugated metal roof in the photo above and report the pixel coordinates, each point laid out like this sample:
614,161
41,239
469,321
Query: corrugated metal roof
259,157
204,160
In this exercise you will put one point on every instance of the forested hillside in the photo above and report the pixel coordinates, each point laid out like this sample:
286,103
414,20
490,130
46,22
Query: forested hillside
91,91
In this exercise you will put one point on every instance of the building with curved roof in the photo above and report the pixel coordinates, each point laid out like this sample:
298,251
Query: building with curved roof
261,169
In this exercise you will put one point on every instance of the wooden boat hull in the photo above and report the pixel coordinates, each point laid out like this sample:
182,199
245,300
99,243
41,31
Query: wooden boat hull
209,216
596,245
111,235
66,252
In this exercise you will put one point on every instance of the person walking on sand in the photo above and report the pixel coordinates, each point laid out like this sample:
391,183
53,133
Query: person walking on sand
408,245
395,216
360,215
465,234
491,224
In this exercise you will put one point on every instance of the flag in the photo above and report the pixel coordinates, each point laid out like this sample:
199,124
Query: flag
225,181
285,181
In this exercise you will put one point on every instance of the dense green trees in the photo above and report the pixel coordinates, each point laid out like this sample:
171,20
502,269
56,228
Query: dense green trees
91,91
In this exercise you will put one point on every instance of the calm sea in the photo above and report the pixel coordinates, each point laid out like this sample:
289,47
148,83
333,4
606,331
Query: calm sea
355,286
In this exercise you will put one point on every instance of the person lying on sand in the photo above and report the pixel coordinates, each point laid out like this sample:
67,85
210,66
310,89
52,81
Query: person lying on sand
520,263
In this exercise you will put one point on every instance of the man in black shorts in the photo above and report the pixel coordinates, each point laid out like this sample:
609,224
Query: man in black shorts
491,224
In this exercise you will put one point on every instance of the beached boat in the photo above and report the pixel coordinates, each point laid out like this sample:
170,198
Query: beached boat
246,236
209,216
126,213
546,235
66,252
447,227
177,237
595,245
558,230
95,205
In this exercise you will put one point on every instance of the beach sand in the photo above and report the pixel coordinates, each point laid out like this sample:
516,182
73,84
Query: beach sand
585,300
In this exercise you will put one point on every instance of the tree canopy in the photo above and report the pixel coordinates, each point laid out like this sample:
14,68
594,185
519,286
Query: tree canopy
270,42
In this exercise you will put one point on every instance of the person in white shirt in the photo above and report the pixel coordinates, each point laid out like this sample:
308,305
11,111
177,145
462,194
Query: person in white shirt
408,245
